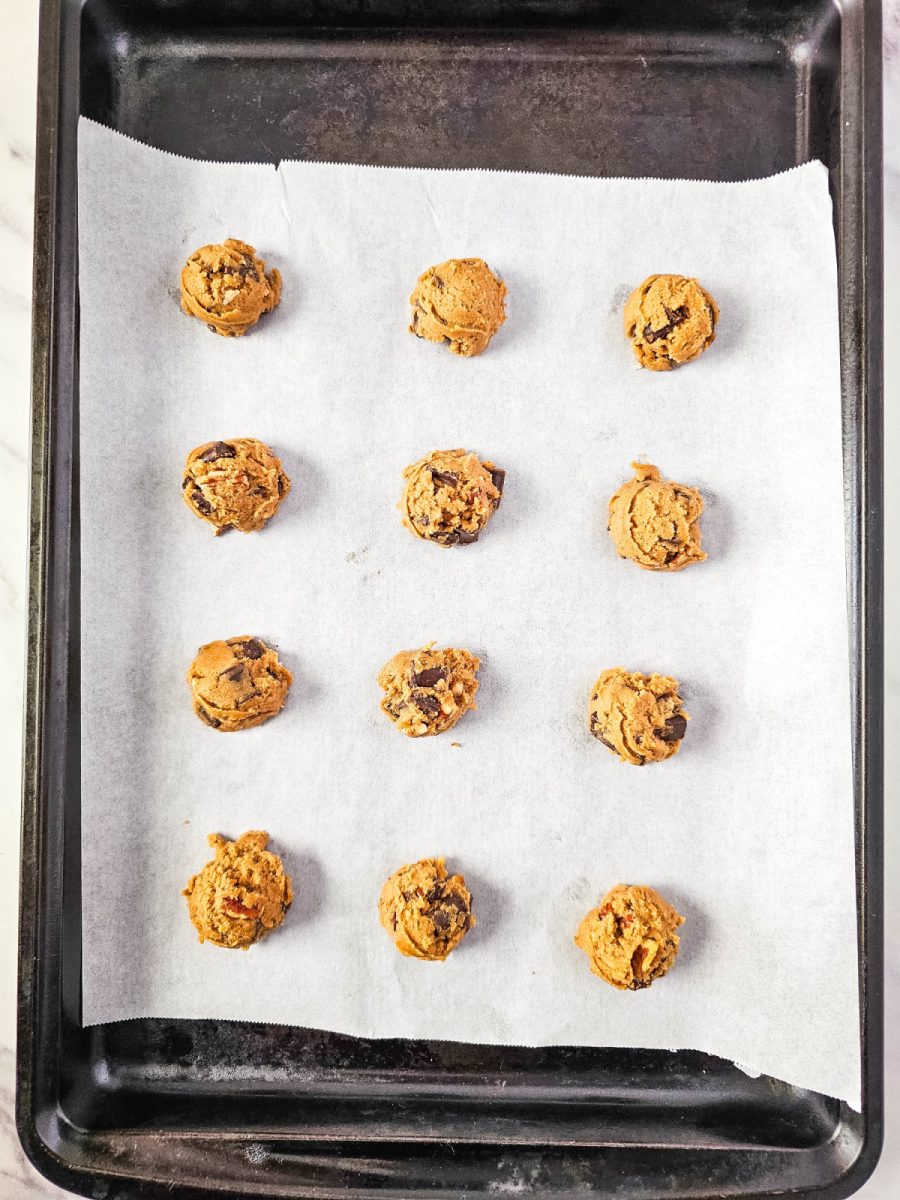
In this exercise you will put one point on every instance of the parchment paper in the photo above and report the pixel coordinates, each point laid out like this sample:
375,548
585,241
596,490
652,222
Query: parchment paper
748,830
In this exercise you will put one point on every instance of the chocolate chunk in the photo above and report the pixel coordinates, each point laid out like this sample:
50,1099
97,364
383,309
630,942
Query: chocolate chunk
217,450
426,703
234,674
204,716
185,482
674,730
456,901
677,316
449,478
436,893
245,269
456,537
249,649
199,501
640,980
498,477
280,485
438,282
600,738
440,919
428,677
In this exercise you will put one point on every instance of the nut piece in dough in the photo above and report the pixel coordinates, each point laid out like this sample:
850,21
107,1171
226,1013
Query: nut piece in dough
639,717
241,895
426,691
460,301
630,939
226,286
670,320
450,495
236,484
655,522
426,912
238,683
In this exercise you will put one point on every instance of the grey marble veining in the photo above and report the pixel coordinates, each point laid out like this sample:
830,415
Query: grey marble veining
17,1176
891,19
18,44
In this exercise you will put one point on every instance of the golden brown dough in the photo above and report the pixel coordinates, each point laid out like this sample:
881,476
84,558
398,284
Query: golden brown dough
425,911
670,320
630,938
240,895
225,285
237,683
655,522
427,691
460,301
450,495
237,484
639,717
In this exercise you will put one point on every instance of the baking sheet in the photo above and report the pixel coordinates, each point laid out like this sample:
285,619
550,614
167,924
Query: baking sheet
749,830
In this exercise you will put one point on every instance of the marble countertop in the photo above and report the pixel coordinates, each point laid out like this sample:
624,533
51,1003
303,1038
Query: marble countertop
18,36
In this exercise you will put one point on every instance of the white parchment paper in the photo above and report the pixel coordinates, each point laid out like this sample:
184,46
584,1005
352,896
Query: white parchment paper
748,830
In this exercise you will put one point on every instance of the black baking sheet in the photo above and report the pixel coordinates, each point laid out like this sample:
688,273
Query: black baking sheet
731,90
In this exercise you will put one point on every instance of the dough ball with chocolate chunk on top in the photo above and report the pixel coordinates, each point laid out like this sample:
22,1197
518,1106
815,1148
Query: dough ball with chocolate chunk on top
427,691
669,320
426,911
225,285
630,938
237,484
241,895
238,683
656,523
639,717
450,495
461,302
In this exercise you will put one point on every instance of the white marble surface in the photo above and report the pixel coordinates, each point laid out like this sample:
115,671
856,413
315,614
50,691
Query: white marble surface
18,39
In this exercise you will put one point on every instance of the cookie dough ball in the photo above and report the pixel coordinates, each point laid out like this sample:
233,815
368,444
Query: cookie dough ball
639,717
630,940
460,301
426,911
238,683
241,895
236,484
450,495
669,320
427,691
655,522
226,286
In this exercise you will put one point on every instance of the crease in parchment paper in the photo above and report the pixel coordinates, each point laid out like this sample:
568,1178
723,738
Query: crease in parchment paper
749,830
